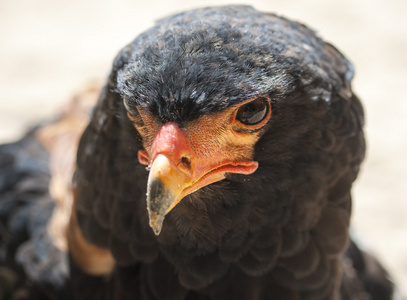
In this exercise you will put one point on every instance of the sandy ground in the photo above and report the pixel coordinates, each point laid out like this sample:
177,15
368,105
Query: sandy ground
50,49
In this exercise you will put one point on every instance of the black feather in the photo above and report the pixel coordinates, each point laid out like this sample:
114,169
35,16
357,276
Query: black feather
279,233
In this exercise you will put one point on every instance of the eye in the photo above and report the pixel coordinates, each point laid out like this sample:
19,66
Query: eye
253,112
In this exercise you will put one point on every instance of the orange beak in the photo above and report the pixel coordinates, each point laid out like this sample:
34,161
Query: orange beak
177,171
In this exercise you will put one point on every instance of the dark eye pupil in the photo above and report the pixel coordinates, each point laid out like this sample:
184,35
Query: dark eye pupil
253,112
249,108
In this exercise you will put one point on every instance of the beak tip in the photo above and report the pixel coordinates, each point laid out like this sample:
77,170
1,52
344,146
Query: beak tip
156,222
157,198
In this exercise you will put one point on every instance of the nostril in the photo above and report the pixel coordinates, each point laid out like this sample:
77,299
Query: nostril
186,161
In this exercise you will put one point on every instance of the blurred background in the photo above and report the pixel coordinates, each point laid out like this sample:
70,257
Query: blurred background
51,49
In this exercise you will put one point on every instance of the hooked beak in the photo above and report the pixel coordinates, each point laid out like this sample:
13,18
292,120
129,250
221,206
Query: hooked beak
176,171
164,188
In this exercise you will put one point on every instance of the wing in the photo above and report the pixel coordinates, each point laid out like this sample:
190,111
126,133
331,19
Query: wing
364,277
35,204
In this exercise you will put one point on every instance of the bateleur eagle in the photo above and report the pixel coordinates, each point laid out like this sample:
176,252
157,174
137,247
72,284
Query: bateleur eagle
217,164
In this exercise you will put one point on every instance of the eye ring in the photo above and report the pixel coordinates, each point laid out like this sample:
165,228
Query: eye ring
254,113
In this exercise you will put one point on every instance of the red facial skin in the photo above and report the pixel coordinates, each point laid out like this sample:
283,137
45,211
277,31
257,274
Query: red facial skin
186,159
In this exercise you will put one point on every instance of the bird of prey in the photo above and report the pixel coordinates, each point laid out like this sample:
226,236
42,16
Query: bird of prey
217,164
